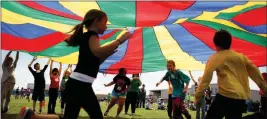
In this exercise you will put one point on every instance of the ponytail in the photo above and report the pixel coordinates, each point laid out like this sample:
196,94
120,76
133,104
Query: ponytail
89,18
74,39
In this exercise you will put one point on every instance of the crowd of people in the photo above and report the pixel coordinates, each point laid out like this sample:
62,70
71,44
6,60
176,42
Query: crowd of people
233,70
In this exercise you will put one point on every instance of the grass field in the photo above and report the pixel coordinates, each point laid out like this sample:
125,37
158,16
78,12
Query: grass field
16,104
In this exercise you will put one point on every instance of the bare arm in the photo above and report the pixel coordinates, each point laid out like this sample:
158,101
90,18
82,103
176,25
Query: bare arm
51,66
70,68
60,69
32,61
48,61
8,54
110,84
16,60
102,52
191,76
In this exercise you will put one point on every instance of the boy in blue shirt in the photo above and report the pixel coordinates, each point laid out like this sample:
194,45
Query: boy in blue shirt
177,79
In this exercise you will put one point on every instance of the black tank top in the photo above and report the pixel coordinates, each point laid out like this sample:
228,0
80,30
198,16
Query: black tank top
88,63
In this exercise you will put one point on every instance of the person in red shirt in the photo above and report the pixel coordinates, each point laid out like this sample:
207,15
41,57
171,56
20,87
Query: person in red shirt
53,89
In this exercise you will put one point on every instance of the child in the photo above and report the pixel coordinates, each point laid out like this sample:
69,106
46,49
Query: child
132,94
91,55
201,104
122,84
232,70
65,78
8,80
177,79
39,83
28,92
53,89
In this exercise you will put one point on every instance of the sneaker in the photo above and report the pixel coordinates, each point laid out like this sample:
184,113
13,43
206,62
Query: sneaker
26,113
132,114
117,116
106,114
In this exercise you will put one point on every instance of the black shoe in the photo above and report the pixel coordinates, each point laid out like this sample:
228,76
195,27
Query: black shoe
40,111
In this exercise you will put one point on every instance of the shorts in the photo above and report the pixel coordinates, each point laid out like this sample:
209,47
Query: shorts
38,94
117,95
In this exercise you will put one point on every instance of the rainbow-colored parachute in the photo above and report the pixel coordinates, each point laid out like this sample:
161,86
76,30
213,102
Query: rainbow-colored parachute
181,31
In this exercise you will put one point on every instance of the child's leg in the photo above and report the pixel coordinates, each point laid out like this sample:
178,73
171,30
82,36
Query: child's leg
133,102
50,92
27,113
55,95
92,107
176,110
170,106
127,102
120,104
111,104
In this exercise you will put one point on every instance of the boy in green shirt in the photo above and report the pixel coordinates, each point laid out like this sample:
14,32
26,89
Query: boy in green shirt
177,79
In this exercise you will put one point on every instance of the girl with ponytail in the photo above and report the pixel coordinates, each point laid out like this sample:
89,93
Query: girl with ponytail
78,90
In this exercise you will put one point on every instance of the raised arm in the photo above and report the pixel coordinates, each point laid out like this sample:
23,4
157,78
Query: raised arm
191,76
48,61
8,54
16,60
70,68
51,67
60,69
34,58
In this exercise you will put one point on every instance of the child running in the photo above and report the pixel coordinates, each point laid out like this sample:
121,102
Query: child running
232,70
39,83
122,83
8,80
65,78
177,79
132,94
54,86
91,56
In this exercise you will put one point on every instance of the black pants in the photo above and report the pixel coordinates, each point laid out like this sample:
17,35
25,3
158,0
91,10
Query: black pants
225,107
264,104
131,98
142,102
53,94
169,106
62,99
80,94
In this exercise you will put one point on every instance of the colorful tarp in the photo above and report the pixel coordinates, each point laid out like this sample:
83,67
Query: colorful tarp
181,31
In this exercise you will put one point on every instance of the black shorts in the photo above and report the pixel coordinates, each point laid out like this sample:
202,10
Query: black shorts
38,94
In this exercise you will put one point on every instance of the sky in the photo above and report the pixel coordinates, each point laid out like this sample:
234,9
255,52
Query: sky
23,75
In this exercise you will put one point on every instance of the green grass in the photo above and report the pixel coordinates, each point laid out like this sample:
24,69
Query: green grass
16,104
